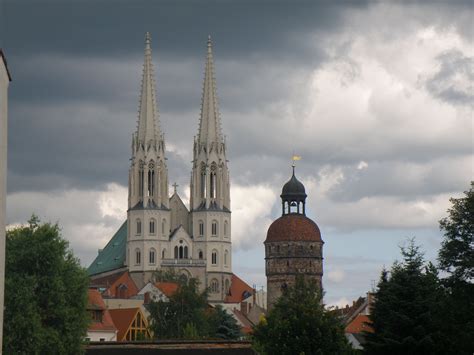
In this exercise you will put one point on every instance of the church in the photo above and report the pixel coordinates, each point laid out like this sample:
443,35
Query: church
161,232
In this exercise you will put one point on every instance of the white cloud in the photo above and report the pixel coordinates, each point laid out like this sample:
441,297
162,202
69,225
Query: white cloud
336,276
251,209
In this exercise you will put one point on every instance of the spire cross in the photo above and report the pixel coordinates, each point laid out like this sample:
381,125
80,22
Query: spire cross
175,185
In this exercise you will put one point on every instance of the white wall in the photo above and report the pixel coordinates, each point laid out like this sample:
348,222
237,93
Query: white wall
98,335
4,81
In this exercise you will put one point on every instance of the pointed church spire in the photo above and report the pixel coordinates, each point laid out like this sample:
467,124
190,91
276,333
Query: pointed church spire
148,131
209,123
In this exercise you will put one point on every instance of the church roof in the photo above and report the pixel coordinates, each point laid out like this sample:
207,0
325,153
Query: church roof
2,55
112,257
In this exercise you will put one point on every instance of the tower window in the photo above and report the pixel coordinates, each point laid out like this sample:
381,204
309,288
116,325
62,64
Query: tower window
138,257
139,227
201,228
214,286
185,252
214,229
214,257
176,251
152,256
163,253
203,181
225,257
163,226
226,227
200,254
152,226
227,286
213,181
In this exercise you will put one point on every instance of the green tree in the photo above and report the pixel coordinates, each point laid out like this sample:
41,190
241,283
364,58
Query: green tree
299,324
456,260
406,313
183,312
222,325
45,293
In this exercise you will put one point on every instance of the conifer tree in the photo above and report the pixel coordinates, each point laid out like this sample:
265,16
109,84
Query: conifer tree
405,316
299,324
456,260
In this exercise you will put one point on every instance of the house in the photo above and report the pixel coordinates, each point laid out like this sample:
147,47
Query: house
158,291
131,324
118,285
102,328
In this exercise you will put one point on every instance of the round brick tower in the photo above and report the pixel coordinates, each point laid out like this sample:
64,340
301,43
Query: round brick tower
293,245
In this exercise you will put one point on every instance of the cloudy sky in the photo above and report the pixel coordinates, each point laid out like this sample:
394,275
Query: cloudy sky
376,97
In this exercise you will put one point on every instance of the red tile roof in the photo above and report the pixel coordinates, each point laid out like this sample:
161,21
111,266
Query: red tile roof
358,325
293,227
97,303
112,282
168,288
122,318
247,325
237,289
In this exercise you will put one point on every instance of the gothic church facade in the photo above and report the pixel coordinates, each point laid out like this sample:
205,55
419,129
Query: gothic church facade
161,232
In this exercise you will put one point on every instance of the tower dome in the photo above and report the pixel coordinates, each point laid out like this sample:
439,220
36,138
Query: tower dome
293,188
293,245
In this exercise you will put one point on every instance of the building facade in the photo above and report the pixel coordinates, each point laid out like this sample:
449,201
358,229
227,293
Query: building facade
5,79
293,245
161,232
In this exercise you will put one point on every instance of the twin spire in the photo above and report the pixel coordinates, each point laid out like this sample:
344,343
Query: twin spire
210,122
148,130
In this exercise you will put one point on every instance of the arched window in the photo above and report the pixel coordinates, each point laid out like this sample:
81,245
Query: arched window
226,228
152,256
163,226
201,229
200,254
138,257
151,179
226,253
152,226
176,252
227,286
185,252
203,181
214,229
213,181
139,226
214,257
214,286
163,253
140,178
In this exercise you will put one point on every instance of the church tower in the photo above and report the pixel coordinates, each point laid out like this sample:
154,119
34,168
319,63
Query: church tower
210,191
293,245
148,215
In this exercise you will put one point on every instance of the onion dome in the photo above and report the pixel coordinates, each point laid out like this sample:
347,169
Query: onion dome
293,189
293,227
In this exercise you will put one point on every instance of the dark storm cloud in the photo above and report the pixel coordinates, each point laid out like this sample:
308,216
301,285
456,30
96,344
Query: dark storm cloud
454,79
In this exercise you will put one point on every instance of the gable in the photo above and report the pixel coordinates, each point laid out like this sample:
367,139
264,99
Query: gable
113,255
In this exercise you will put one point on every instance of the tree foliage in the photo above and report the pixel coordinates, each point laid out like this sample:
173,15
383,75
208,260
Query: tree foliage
45,293
456,259
222,325
406,313
187,315
456,255
299,324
